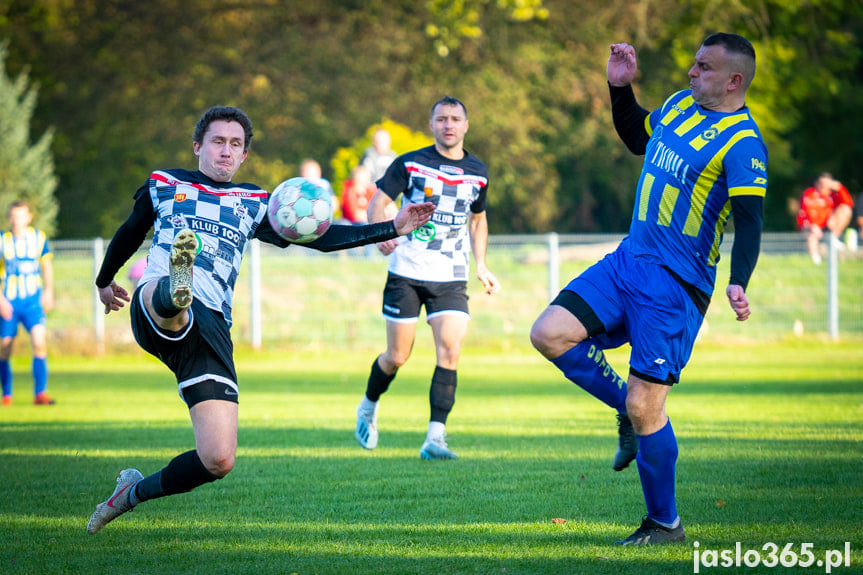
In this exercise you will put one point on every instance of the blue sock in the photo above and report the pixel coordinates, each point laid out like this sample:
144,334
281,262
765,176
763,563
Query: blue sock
40,375
657,456
6,377
585,366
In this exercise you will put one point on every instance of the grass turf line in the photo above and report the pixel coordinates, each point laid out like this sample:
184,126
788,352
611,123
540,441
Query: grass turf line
769,435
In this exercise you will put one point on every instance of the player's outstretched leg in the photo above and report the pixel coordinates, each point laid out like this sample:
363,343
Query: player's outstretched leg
6,380
656,461
117,504
653,533
183,251
627,443
367,424
43,399
441,401
435,447
40,382
367,411
585,365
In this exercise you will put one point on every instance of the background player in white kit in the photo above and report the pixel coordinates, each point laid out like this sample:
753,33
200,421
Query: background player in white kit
430,267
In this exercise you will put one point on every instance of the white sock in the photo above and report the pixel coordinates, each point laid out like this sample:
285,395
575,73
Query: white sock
670,525
367,404
436,428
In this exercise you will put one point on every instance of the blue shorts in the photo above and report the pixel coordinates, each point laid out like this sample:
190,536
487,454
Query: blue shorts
641,303
28,312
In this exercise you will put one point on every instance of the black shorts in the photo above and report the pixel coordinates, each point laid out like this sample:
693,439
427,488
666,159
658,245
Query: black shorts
403,298
201,355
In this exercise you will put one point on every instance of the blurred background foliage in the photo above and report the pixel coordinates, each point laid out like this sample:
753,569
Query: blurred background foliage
26,168
121,83
347,158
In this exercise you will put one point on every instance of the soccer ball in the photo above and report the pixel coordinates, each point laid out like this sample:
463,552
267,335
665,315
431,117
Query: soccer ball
300,209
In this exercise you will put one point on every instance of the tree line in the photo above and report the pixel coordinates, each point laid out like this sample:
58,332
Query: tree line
120,85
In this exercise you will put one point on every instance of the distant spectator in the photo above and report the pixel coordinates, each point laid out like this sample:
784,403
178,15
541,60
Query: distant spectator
378,157
311,170
357,192
857,225
137,271
825,205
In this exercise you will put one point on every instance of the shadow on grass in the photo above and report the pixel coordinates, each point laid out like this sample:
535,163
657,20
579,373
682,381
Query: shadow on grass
139,545
305,498
340,509
322,473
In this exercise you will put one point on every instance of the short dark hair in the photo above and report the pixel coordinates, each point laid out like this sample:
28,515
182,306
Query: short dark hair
731,42
737,46
228,114
18,204
448,101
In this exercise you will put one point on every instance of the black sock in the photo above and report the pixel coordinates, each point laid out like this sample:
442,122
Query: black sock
378,382
148,488
442,393
162,303
184,473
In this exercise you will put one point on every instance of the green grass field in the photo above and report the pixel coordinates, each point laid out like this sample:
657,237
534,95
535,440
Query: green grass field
770,451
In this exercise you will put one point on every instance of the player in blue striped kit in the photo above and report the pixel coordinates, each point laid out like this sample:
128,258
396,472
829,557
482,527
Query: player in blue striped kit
27,295
704,160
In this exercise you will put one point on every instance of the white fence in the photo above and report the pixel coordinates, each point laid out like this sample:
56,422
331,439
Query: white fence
301,298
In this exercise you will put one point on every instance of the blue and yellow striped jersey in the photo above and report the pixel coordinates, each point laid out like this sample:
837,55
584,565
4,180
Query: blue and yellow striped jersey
695,161
21,263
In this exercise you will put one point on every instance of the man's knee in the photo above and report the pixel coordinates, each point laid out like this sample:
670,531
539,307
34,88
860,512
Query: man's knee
840,219
645,406
448,354
398,357
39,343
220,462
540,336
638,408
552,336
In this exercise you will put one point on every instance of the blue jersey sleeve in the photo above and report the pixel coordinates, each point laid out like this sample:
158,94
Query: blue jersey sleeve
746,168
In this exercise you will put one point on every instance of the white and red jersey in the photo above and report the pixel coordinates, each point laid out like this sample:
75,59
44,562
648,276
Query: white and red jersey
440,250
224,217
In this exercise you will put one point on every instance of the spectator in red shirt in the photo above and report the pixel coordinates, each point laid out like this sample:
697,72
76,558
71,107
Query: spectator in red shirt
825,205
356,195
858,219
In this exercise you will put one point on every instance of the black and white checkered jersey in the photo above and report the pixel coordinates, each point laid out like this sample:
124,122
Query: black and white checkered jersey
440,250
224,217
